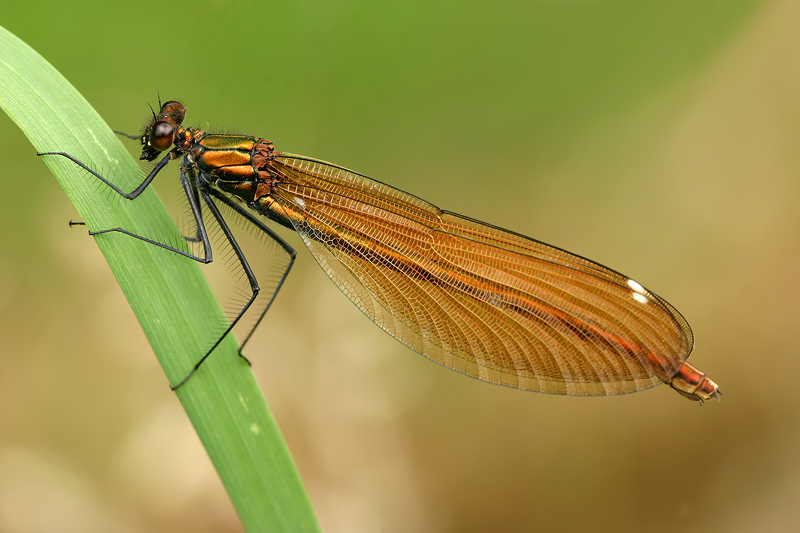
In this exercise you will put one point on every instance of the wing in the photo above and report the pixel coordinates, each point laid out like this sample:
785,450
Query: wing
484,301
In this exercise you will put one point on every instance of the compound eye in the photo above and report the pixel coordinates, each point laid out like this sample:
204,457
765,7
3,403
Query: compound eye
162,135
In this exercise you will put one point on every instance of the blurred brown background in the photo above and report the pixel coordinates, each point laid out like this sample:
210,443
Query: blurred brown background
659,138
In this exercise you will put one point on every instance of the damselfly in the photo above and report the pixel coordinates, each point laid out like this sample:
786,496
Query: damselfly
489,303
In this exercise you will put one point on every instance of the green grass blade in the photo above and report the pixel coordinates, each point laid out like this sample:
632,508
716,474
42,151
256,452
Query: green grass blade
168,293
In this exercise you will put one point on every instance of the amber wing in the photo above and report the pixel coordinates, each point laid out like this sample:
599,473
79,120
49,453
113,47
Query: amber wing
484,301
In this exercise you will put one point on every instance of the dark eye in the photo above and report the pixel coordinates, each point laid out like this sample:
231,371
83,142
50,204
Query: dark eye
162,135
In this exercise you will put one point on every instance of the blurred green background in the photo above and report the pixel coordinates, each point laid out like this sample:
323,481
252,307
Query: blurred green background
659,138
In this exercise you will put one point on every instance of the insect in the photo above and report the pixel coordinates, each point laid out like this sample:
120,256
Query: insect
484,301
